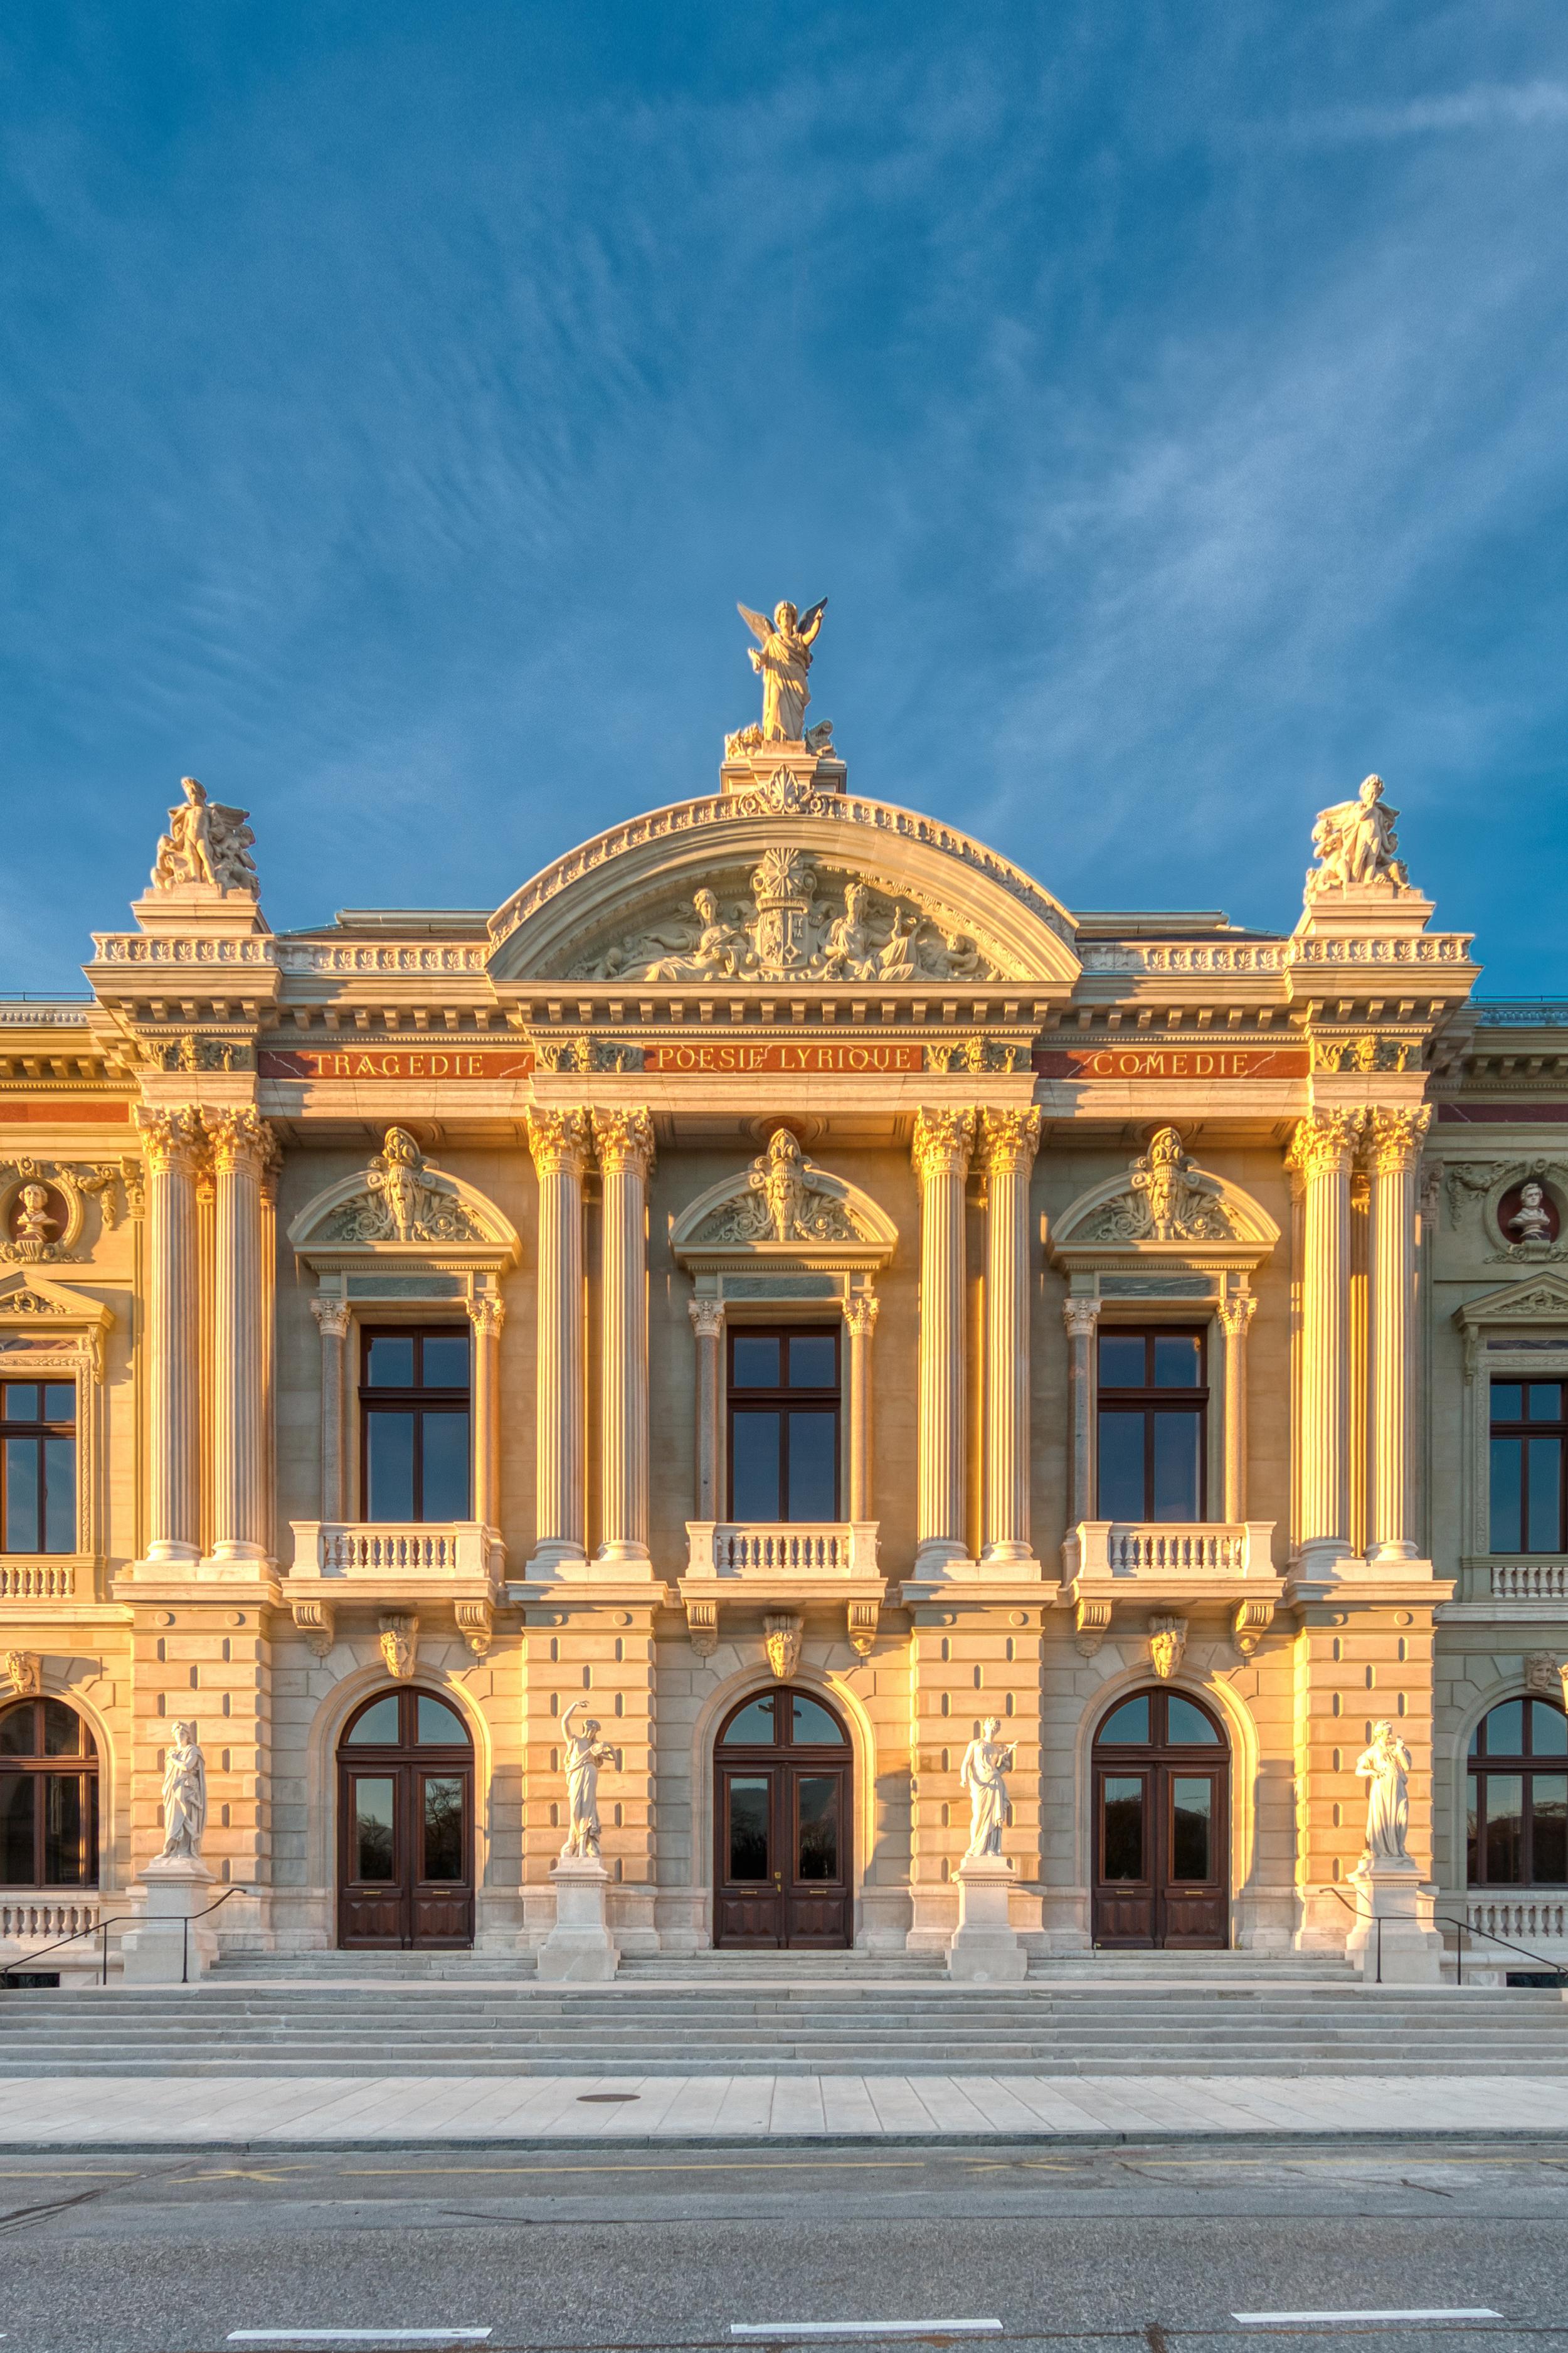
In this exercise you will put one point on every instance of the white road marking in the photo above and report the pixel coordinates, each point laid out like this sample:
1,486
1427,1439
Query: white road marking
1417,2312
776,2329
282,2340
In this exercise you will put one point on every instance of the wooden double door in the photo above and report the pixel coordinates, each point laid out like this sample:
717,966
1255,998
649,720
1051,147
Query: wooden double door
405,1825
1161,1825
783,1819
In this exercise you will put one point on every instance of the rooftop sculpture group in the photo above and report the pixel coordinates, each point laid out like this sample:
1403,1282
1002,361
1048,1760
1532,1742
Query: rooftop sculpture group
1356,844
207,842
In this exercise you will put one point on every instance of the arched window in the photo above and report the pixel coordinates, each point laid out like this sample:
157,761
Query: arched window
1517,1819
49,1797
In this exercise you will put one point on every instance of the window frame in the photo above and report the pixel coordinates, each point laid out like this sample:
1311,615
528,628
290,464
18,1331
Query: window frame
418,1399
1520,1430
1151,1400
86,1767
1522,1766
40,1430
781,1399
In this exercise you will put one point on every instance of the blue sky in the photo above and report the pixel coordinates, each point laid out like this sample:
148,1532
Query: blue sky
1171,397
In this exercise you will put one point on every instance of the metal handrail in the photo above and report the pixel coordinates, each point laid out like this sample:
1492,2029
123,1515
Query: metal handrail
1466,1927
103,1926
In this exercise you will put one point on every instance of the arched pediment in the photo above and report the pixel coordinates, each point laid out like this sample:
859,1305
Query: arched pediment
843,890
784,1207
1164,1207
401,1205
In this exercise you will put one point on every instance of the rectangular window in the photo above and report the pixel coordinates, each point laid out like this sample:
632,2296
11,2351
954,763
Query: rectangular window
415,1420
1529,1491
1153,1425
38,1466
783,1418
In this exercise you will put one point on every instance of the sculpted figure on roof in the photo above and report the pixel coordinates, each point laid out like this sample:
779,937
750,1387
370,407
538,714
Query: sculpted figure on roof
1355,843
781,660
207,842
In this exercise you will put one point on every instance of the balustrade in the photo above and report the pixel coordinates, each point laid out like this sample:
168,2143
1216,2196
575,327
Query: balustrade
799,1548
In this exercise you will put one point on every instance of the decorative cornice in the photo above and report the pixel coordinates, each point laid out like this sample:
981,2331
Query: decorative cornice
944,1141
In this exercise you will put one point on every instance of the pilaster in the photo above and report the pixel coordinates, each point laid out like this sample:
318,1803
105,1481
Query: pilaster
1323,1149
241,1143
172,1142
626,1149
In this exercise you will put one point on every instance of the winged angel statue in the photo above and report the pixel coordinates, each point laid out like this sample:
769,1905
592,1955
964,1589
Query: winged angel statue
781,659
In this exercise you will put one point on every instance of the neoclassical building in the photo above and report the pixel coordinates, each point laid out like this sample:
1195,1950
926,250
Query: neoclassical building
786,1283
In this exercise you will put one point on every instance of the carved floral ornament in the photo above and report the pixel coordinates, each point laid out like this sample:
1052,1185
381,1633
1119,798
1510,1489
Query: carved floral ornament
1166,1206
401,1205
784,1205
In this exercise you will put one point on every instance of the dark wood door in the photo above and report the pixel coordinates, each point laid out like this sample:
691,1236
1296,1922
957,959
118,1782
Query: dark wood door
783,1865
406,1825
1161,1825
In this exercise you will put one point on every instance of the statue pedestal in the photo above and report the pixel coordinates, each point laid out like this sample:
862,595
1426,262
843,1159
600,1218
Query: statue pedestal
984,1948
160,1949
1393,1940
579,1948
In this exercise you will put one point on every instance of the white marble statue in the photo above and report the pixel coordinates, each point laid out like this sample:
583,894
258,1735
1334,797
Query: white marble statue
207,842
1355,842
987,1763
35,1227
781,660
585,1754
185,1797
1386,1768
1531,1222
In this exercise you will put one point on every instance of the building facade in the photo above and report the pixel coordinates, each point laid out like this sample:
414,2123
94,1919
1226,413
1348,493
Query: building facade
785,1288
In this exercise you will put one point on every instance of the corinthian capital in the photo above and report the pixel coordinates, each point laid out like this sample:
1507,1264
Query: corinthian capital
1395,1138
707,1318
1009,1141
332,1315
1080,1317
624,1140
942,1143
860,1314
487,1313
1236,1312
240,1139
1324,1143
172,1140
559,1142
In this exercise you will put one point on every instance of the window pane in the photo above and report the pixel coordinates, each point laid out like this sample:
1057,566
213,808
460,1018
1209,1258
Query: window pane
1545,1494
814,1361
1508,1401
439,1723
1549,1829
1505,1829
446,1365
1548,1729
812,1466
16,1831
754,1362
1505,1729
59,1401
1472,1831
1545,1402
1507,1523
814,1726
1121,1466
443,1856
389,1456
1187,1727
21,1400
373,1827
1128,1723
1178,1360
749,1829
1122,1803
1192,1826
754,1447
753,1727
1177,1479
389,1362
62,1729
817,1801
62,1830
60,1494
18,1730
446,1466
1122,1358
22,1494
378,1723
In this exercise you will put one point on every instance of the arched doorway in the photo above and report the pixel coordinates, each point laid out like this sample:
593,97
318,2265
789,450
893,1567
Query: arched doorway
49,1797
1162,1824
783,1817
406,1824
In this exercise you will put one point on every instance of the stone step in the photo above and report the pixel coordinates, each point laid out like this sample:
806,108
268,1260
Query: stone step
592,2066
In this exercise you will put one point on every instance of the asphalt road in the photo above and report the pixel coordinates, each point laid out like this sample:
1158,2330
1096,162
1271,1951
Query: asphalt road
1153,2249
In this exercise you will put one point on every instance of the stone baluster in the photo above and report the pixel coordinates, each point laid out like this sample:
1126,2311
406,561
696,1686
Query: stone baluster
942,1143
487,1313
1009,1140
860,1316
332,1318
172,1141
558,1143
1082,1316
1235,1314
708,1324
624,1144
1395,1139
241,1143
1323,1151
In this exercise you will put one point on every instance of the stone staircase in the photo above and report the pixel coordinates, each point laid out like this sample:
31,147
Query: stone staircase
1114,2024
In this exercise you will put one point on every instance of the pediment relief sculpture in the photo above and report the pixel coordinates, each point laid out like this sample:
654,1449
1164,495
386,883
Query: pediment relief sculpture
401,1202
788,930
1166,1204
207,843
784,1202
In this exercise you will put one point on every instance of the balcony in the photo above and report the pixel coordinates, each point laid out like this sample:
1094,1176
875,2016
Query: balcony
785,1551
1528,1580
396,1560
1170,1561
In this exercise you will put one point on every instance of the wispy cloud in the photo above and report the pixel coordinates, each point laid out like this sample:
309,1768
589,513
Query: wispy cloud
1524,106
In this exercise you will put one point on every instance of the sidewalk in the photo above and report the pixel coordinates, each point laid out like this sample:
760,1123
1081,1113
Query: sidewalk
126,2112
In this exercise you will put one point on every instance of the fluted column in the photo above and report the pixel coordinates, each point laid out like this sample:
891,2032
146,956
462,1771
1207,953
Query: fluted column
708,1324
1234,1314
625,1143
559,1142
942,1143
332,1317
860,1316
1082,1316
1323,1149
241,1144
487,1313
172,1141
1008,1142
1395,1138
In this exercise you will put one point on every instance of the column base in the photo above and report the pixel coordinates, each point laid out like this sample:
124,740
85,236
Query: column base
1394,1939
579,1950
554,1560
624,1559
1391,1554
985,1948
167,1554
943,1557
1011,1556
159,1950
